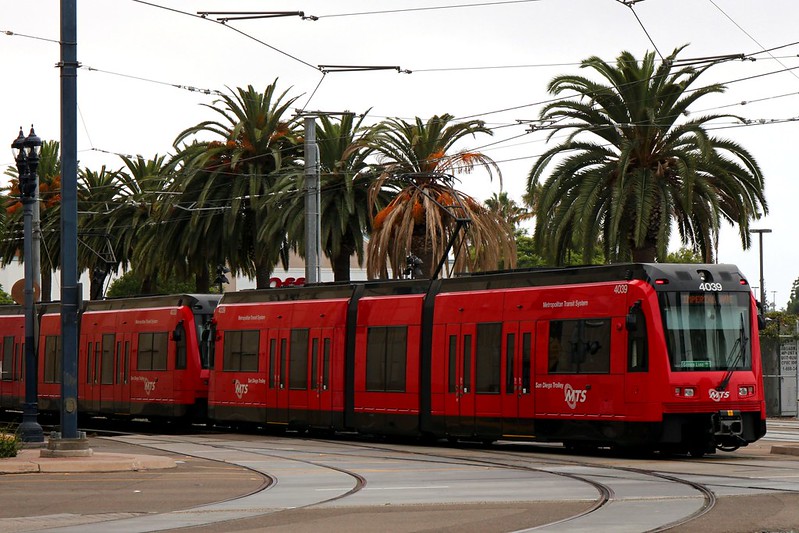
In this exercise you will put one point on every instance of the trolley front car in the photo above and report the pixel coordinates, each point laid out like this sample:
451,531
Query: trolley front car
636,355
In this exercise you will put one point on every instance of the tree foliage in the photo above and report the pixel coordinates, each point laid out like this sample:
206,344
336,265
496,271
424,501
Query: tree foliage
130,283
427,212
632,166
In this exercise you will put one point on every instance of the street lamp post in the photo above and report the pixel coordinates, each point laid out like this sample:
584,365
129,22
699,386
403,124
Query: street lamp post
760,233
26,153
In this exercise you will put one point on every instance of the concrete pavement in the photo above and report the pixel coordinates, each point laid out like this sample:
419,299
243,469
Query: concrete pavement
119,481
30,460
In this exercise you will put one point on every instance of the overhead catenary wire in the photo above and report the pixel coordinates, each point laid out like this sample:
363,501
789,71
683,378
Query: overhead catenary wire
748,34
230,27
631,4
428,8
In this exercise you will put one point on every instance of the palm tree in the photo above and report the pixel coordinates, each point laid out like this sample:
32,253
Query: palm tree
426,212
225,185
98,199
133,221
646,167
344,146
506,208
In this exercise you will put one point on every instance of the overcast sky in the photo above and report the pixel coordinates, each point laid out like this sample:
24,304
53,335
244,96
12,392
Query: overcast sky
488,60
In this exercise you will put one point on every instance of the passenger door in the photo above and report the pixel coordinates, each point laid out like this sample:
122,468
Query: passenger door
107,373
517,401
122,375
277,393
320,409
459,406
299,364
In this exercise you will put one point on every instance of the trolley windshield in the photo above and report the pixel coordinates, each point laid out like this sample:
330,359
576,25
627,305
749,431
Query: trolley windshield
707,330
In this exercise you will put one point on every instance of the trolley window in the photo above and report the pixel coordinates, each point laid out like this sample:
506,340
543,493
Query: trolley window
240,351
326,364
298,359
579,346
707,330
52,359
637,347
107,363
385,359
181,353
7,358
152,351
488,358
453,362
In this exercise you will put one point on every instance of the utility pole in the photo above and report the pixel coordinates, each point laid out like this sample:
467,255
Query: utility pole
312,203
760,233
70,442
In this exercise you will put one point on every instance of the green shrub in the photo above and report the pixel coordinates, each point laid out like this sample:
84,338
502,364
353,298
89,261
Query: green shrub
10,441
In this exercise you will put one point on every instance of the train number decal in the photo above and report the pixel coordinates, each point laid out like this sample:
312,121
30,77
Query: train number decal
714,287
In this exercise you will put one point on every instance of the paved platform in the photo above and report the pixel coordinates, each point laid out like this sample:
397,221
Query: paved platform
30,460
119,481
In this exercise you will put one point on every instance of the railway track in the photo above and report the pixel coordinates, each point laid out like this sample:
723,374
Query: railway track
614,497
336,474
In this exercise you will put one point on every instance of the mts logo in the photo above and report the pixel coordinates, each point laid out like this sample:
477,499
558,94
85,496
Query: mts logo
149,386
718,395
240,388
573,396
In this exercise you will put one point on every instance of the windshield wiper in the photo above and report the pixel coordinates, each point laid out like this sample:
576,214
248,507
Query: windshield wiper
740,344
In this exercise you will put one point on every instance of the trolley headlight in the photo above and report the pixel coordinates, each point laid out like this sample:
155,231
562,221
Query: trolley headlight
685,392
746,390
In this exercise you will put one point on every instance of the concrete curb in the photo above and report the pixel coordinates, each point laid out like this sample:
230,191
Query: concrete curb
30,461
785,450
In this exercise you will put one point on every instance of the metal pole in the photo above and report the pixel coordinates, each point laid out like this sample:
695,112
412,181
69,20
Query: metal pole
70,289
760,233
30,429
312,222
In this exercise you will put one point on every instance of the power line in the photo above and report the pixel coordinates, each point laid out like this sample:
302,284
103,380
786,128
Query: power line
189,88
630,4
748,34
429,8
224,25
14,34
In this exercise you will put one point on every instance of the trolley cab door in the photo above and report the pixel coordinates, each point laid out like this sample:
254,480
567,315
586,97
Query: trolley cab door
459,406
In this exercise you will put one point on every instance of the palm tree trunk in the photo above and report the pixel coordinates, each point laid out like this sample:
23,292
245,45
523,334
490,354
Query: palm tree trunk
341,267
262,274
47,285
203,280
646,253
421,248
